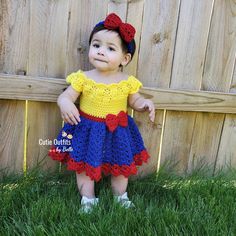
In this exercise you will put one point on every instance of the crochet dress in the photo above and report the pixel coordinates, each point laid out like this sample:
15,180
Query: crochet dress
107,140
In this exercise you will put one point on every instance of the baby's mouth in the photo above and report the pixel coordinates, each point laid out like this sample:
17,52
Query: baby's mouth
100,60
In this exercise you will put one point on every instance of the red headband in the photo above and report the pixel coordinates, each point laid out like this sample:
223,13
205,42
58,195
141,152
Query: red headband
127,31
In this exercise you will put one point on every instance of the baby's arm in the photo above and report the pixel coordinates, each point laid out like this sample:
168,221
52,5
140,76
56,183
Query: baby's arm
69,111
139,103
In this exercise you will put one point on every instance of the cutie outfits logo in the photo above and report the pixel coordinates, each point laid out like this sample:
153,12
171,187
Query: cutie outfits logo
65,143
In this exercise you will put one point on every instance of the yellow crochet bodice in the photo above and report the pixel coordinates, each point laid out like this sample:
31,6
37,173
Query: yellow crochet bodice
99,99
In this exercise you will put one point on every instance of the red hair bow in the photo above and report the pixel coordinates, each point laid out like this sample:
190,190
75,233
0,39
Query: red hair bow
112,121
127,31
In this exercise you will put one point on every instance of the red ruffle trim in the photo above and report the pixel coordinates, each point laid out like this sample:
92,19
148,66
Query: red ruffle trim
95,173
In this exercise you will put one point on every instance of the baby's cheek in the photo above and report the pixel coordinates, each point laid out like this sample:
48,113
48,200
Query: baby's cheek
91,53
114,60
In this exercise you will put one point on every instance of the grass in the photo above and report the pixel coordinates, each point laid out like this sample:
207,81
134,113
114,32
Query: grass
166,204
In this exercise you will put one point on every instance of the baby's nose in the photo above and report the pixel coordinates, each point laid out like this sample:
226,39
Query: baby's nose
101,51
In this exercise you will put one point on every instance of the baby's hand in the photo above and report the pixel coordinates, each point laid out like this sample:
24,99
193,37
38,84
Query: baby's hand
69,113
148,104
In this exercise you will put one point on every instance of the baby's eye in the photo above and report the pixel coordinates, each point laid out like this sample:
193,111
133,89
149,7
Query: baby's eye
96,45
111,49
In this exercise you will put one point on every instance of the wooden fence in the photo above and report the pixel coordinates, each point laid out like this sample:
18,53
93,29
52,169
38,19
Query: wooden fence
185,58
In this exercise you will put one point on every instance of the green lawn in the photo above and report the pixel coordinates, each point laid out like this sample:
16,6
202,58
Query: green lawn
48,204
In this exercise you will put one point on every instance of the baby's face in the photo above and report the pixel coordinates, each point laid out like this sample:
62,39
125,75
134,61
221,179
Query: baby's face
105,52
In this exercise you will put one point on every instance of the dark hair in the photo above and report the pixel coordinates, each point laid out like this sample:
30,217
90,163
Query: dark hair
124,45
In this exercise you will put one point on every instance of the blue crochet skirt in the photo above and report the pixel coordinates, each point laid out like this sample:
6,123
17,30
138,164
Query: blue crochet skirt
97,147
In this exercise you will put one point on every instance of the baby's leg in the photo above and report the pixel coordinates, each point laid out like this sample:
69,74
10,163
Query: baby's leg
85,185
119,184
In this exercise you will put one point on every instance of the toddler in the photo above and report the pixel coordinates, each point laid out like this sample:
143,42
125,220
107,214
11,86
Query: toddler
99,137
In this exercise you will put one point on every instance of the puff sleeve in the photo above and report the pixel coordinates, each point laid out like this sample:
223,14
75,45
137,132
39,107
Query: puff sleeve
76,80
135,85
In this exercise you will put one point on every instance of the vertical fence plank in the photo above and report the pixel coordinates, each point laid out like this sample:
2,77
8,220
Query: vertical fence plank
191,42
151,134
134,16
233,83
12,136
218,74
14,27
157,42
177,138
227,155
205,140
154,67
119,7
47,53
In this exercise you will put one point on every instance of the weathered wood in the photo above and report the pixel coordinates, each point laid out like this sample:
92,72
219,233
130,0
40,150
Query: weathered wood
226,155
12,136
48,89
205,140
183,47
220,64
178,141
31,88
47,54
14,38
151,133
189,55
134,17
191,100
157,42
118,7
154,65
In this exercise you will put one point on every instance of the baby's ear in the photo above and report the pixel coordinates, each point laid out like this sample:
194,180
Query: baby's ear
126,59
